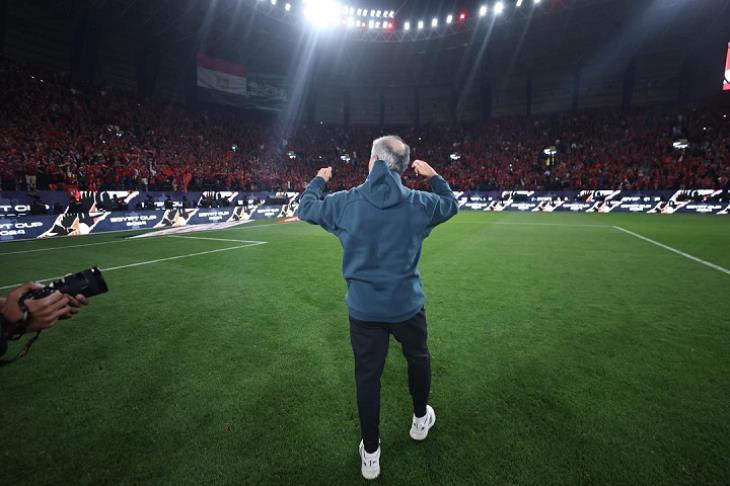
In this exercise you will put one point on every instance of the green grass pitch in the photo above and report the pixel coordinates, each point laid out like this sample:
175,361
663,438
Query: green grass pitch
564,352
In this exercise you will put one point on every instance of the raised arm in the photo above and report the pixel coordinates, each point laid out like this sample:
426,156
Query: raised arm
313,209
444,205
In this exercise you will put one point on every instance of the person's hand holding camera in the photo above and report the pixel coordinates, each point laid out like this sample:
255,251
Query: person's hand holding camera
42,313
325,173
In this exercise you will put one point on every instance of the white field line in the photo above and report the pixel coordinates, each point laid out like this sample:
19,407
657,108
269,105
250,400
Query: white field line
19,252
252,227
150,262
210,239
674,250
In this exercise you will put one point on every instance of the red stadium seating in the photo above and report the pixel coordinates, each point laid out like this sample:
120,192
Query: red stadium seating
102,139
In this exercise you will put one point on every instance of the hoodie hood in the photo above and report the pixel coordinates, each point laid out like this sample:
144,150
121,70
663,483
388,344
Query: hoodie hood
383,188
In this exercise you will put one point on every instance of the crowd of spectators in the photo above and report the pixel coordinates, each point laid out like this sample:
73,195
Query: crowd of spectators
55,135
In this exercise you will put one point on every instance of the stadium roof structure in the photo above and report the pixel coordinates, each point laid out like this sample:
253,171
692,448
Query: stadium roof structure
554,35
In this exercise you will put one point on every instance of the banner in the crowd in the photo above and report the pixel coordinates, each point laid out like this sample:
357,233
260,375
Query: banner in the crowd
103,211
221,75
266,92
228,83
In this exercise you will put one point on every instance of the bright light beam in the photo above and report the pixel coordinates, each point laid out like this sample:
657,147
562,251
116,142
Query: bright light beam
321,13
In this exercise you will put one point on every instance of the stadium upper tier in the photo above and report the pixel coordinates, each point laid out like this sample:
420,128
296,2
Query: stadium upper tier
102,139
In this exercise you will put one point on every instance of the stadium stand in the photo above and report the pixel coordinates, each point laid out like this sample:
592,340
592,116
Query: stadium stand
57,135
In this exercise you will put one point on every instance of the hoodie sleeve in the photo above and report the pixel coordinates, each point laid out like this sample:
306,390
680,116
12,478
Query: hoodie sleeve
323,212
442,205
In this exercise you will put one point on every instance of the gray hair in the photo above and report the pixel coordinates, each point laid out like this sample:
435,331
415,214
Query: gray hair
394,151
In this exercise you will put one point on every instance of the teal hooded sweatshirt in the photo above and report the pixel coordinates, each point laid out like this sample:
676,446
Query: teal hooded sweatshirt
381,225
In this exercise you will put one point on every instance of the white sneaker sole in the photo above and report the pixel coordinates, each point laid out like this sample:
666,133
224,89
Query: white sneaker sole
368,473
421,435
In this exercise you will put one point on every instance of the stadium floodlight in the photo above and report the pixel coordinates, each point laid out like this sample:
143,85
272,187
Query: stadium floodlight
377,14
287,7
407,26
681,144
359,12
536,1
519,3
420,24
449,18
434,22
482,10
392,14
377,25
498,8
350,22
273,2
321,13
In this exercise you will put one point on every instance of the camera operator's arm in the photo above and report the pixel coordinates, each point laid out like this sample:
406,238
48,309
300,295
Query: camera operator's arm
42,313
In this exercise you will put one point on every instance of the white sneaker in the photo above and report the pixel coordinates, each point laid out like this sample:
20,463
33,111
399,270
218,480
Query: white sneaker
420,426
370,462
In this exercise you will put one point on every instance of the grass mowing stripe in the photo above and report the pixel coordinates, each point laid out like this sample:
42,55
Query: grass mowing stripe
509,223
149,262
550,224
61,247
674,250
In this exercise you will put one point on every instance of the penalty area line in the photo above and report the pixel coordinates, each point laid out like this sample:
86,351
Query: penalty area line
127,240
211,239
674,250
159,260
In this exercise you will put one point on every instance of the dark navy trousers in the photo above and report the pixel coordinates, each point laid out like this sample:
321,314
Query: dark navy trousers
370,347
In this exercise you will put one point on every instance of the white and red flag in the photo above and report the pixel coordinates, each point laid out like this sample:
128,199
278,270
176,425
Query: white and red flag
221,75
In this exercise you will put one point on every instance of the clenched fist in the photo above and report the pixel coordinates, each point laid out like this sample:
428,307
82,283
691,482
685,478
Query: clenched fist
325,173
423,169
